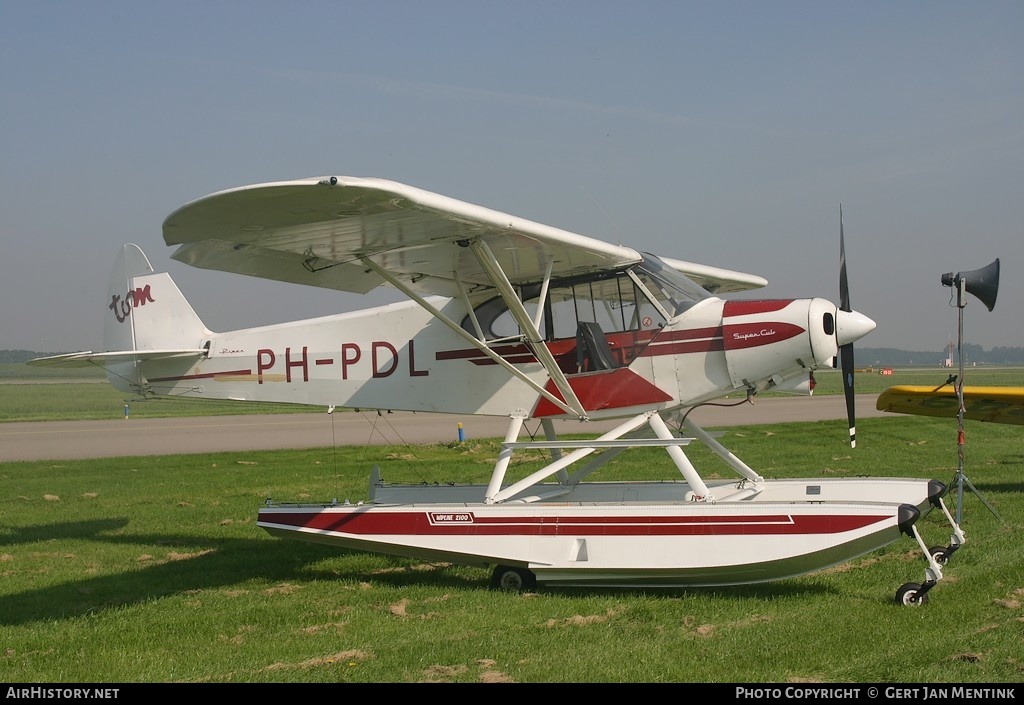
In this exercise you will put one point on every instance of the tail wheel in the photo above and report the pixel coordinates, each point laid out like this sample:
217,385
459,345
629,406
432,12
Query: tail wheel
910,594
512,579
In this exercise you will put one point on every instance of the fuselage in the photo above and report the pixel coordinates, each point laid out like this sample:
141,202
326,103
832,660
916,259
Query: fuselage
400,357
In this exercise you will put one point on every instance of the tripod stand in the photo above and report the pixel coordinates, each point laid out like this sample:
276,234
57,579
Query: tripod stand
961,478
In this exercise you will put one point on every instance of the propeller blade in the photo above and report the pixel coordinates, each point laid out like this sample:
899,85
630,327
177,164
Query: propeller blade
844,286
846,351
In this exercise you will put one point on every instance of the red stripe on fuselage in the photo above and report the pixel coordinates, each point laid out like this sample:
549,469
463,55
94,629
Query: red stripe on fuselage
680,342
205,375
746,308
367,522
465,353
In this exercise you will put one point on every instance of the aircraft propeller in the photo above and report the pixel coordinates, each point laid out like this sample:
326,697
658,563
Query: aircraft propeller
846,350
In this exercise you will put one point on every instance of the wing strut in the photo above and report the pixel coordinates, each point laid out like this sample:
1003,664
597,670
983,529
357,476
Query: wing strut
394,281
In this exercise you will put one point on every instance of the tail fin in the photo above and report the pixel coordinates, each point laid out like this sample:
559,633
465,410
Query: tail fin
145,310
147,318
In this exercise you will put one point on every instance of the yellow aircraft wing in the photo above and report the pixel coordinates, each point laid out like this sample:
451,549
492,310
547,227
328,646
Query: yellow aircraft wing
993,404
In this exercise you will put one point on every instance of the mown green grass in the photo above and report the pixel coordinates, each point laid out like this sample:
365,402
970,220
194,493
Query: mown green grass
151,569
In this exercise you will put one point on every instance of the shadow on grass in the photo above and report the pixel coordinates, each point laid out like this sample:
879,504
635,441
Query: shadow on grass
988,487
210,563
199,563
762,591
10,536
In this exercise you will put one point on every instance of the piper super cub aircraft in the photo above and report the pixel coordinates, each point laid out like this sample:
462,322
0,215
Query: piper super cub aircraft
512,318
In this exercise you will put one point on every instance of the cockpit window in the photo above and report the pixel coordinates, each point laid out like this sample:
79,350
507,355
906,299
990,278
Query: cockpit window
610,299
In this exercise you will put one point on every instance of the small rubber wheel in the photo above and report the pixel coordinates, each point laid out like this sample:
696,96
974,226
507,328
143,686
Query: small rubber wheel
940,554
512,579
910,594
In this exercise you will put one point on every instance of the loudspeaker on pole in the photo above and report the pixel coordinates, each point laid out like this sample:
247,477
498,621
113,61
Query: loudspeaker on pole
982,283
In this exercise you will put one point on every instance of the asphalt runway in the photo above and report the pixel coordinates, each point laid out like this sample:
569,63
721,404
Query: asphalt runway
69,440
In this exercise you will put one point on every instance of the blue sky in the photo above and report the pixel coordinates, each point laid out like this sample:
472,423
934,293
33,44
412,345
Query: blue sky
727,133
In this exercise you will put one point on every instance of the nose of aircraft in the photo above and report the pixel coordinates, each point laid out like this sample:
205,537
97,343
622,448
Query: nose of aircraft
851,326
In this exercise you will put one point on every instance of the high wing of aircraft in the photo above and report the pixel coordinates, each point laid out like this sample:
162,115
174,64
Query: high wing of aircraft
991,404
510,317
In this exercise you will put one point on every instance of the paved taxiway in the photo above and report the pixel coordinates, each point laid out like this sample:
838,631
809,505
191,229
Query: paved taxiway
68,440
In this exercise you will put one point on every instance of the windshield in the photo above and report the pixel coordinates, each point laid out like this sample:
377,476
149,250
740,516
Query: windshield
675,291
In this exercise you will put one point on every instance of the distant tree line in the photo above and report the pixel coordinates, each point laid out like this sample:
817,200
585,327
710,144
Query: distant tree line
8,356
973,354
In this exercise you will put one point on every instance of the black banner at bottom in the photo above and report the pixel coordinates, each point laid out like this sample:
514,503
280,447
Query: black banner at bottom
736,692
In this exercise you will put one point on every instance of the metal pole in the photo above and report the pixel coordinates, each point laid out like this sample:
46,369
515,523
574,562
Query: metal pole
960,403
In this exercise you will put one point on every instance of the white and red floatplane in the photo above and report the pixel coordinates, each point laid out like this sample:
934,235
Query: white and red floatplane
512,318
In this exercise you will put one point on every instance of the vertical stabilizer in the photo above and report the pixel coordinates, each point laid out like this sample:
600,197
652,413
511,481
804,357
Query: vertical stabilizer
146,312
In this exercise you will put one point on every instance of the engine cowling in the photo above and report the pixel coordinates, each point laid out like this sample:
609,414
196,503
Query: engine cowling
770,341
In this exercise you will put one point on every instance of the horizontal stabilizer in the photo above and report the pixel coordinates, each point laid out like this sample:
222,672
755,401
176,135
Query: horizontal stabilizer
89,359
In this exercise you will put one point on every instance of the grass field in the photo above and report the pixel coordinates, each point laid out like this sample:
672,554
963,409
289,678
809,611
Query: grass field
151,570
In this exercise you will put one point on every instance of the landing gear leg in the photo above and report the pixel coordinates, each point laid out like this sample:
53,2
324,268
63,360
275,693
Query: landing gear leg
917,594
944,553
